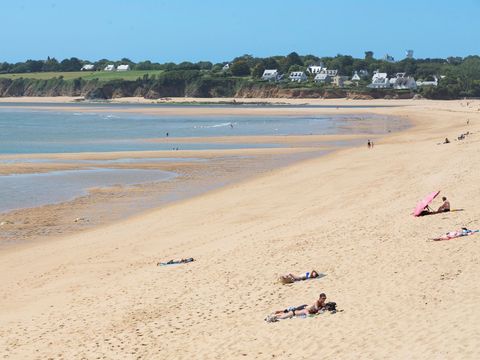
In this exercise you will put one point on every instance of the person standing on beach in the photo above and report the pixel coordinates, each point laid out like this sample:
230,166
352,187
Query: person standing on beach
369,144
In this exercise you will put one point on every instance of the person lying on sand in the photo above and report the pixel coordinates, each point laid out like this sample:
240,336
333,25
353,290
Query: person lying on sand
291,278
303,310
171,262
455,234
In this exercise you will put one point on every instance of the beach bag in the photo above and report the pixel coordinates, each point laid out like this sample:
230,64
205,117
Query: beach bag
331,306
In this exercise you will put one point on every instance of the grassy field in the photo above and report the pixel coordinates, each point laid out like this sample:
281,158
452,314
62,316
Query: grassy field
87,75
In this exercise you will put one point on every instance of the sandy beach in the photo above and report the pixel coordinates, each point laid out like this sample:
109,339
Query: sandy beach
100,294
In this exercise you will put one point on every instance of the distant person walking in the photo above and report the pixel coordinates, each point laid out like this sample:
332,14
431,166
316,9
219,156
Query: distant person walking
369,144
167,134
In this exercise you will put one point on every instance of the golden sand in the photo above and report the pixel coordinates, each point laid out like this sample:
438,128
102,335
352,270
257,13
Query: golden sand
347,214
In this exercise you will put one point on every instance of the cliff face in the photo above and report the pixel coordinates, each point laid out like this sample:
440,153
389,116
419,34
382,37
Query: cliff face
194,86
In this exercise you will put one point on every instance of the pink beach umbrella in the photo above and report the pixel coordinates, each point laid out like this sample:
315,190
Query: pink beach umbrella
424,203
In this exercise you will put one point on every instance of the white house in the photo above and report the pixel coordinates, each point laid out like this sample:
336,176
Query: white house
123,67
271,75
356,77
330,73
226,67
379,81
401,81
428,83
298,76
109,67
322,78
87,67
315,69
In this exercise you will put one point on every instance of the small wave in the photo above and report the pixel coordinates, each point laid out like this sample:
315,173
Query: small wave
218,125
110,116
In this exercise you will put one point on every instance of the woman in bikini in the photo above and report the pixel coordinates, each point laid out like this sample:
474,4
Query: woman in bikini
291,278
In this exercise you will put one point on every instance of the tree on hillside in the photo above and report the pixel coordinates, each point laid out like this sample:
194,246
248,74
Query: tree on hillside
368,55
258,70
408,66
187,65
204,65
144,65
72,64
125,61
100,64
310,60
248,59
4,67
387,67
296,68
284,62
294,59
342,63
51,64
34,65
240,68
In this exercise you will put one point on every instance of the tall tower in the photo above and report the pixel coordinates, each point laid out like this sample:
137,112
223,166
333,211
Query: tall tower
409,54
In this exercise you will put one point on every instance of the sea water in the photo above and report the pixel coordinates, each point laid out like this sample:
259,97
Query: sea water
30,132
24,131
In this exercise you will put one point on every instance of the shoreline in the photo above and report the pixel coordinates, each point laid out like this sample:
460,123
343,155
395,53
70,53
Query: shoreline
45,222
346,214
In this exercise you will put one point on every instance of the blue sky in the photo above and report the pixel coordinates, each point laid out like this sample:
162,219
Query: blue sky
215,30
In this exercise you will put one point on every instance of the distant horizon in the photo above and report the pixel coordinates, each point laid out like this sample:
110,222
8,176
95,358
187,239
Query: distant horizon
214,31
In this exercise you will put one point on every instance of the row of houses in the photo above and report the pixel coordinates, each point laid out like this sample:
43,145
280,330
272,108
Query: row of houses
324,75
110,67
398,81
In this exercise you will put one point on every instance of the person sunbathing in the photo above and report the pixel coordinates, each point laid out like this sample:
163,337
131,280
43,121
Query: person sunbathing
445,206
291,278
302,310
455,234
171,262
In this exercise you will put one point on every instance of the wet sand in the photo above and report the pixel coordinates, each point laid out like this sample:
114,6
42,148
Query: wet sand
109,204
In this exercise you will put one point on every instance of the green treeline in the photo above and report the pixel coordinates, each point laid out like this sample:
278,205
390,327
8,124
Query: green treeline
457,77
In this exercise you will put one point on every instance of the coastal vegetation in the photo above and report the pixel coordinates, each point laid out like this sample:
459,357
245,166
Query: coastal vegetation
457,77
